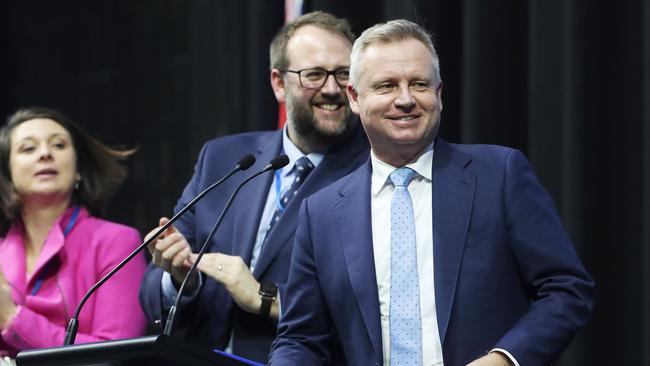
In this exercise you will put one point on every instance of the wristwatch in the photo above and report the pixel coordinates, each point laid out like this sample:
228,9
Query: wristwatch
268,293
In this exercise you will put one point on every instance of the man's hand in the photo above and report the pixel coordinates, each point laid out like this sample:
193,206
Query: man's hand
7,305
492,359
234,275
171,252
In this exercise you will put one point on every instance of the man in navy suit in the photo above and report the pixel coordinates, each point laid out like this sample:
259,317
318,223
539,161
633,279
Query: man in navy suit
234,304
430,252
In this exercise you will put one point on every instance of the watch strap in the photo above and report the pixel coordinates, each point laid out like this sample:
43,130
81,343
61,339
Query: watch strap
268,292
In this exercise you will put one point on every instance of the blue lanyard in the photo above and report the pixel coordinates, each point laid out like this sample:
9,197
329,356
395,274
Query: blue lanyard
278,190
68,228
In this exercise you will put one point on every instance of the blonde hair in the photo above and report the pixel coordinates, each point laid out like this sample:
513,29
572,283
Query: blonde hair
389,32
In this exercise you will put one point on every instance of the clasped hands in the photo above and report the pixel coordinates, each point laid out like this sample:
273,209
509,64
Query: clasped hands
173,254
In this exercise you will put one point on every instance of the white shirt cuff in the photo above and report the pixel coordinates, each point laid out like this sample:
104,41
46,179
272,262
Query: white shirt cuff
279,306
507,354
169,291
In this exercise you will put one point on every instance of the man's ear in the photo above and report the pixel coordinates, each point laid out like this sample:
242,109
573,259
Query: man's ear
439,93
277,83
353,98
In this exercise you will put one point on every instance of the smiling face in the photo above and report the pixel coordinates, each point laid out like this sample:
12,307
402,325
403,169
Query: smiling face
317,117
398,99
42,160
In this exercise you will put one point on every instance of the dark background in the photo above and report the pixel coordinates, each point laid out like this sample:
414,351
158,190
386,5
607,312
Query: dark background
566,81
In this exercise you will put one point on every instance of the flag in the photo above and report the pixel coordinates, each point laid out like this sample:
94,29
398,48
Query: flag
292,10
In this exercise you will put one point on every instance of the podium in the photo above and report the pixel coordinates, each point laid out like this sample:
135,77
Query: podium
144,351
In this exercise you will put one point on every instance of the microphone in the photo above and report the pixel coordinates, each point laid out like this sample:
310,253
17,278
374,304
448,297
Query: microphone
71,331
275,164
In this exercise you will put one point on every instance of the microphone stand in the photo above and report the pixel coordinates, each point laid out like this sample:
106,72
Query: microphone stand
275,164
73,324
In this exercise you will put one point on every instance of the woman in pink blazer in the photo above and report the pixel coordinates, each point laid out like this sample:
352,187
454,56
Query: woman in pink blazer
54,180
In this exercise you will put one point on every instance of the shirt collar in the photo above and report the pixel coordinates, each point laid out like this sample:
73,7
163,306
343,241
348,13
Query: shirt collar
381,170
292,151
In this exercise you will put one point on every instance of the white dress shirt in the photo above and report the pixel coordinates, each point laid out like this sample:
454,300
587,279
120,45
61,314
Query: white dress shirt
420,190
287,175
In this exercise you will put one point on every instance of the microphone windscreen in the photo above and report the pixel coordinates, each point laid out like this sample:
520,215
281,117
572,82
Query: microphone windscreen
279,162
246,162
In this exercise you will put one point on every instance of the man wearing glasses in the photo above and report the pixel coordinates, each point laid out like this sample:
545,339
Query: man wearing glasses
234,303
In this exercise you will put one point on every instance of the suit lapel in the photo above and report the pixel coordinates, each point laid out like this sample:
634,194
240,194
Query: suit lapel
252,198
353,220
336,164
284,230
13,256
12,262
453,195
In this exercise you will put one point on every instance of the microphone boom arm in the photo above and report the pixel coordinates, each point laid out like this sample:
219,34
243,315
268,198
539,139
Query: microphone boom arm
276,163
73,324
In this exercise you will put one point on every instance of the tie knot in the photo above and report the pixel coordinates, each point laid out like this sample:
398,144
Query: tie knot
303,167
401,177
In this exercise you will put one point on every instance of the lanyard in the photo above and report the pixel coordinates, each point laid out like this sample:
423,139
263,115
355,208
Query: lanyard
278,190
68,228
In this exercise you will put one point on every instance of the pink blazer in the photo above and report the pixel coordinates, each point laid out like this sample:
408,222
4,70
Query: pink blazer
90,250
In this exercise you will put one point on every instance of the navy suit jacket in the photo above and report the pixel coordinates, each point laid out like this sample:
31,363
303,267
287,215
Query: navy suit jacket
506,274
213,316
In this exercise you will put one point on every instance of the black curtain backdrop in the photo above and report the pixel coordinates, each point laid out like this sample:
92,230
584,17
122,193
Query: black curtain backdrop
566,81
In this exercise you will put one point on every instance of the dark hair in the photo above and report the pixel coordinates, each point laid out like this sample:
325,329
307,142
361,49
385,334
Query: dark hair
320,19
97,164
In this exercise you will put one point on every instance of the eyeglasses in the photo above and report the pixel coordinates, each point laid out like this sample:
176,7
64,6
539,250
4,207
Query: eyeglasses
315,78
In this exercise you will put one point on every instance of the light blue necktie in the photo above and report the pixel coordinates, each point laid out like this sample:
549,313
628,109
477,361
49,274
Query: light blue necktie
405,322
